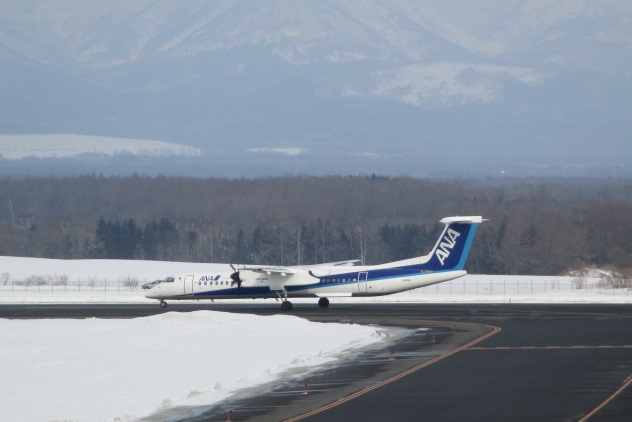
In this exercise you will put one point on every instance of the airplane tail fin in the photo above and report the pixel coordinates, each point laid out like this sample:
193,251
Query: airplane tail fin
451,250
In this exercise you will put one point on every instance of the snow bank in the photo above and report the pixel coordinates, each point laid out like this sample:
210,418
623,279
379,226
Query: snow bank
106,370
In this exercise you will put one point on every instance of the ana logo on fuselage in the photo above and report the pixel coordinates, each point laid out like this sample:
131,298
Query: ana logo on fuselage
209,277
446,245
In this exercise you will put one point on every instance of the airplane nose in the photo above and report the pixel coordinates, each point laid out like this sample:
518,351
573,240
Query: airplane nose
152,293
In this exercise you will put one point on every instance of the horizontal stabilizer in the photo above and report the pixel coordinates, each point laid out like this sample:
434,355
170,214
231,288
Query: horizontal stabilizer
475,219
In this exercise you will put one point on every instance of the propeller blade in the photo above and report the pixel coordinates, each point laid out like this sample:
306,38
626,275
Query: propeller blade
235,277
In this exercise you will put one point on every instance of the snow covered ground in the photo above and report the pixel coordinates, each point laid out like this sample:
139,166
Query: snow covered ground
121,370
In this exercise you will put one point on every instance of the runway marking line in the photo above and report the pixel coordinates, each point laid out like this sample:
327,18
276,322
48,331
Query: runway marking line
626,383
625,346
494,330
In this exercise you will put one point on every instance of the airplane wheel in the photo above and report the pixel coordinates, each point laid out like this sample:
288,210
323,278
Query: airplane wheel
163,304
323,302
286,305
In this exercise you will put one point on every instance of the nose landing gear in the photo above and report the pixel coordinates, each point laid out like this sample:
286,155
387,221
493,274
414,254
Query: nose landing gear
163,304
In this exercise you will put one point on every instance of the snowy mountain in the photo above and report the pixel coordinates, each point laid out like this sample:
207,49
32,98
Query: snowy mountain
388,86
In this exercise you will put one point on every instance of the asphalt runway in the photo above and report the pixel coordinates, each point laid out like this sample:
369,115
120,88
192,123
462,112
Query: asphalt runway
529,363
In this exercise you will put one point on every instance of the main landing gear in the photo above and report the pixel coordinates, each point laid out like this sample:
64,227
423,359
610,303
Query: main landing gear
286,305
163,304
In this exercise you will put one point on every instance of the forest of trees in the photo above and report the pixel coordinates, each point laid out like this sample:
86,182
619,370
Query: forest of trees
537,226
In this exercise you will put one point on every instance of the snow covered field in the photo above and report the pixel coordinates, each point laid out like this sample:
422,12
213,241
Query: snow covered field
16,147
121,370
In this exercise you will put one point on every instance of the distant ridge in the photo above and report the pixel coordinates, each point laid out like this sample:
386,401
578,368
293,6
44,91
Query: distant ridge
16,147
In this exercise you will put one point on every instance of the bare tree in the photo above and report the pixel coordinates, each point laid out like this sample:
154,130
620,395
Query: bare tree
363,240
296,234
130,282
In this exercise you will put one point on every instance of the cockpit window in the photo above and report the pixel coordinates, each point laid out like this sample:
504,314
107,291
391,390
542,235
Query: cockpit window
153,283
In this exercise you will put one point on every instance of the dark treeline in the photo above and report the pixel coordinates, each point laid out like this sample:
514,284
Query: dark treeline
537,226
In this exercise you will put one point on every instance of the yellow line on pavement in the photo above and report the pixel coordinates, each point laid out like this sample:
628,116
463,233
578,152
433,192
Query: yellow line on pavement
494,330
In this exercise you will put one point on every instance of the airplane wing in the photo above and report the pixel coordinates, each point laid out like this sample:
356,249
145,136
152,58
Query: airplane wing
347,263
296,276
283,271
292,269
282,277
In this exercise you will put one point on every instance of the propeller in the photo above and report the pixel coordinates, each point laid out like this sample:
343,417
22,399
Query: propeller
236,279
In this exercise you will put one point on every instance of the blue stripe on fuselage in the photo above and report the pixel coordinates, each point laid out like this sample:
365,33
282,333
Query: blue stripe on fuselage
233,291
372,276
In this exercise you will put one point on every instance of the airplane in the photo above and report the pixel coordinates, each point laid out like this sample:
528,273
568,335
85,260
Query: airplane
445,262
